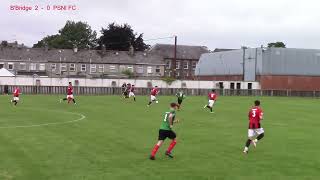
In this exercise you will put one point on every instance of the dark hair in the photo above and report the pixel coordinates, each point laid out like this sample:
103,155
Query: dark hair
213,90
257,102
156,86
69,82
173,105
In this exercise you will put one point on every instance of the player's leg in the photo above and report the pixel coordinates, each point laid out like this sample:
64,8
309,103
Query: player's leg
15,100
74,101
260,133
162,136
151,100
172,136
251,135
179,103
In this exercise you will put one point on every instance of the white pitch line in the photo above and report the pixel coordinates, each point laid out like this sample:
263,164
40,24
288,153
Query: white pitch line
48,124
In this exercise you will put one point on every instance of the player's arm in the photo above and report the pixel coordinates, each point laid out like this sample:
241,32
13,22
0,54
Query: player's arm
171,120
261,115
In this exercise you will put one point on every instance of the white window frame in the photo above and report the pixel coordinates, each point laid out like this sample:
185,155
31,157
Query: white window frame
12,64
33,66
140,69
42,67
93,68
25,66
72,67
149,70
185,63
53,67
168,64
63,67
178,63
101,68
194,65
178,74
112,68
158,68
83,67
130,68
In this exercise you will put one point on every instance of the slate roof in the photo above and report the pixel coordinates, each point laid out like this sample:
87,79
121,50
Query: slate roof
82,56
183,51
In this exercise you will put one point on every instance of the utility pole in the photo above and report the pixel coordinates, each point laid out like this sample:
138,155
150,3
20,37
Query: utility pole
174,61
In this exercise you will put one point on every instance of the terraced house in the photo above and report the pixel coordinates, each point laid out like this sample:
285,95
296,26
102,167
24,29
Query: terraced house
81,63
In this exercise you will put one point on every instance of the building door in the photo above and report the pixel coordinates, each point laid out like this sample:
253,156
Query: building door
249,63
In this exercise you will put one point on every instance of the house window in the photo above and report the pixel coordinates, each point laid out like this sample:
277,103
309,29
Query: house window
83,67
63,67
130,68
185,65
168,64
53,67
140,69
194,64
157,69
177,64
93,68
101,68
23,66
33,66
112,68
72,67
10,66
42,67
149,70
1,65
177,73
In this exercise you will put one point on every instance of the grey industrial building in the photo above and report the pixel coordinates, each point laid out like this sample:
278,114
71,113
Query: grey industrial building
274,68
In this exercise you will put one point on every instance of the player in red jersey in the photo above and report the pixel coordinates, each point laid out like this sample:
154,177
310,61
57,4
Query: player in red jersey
16,94
212,96
69,94
153,95
131,92
255,131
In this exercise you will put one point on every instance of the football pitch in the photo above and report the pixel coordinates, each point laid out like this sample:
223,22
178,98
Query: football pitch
106,137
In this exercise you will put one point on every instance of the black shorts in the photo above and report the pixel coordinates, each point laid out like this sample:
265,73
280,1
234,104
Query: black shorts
163,134
179,101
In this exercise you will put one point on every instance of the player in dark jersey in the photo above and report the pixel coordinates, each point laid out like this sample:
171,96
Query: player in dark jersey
70,96
181,96
255,131
166,131
212,96
124,88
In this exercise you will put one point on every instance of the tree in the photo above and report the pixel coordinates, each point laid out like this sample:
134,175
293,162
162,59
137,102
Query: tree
73,34
277,45
4,43
121,37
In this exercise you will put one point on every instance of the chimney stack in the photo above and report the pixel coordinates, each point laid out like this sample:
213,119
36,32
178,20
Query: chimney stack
131,50
75,49
104,50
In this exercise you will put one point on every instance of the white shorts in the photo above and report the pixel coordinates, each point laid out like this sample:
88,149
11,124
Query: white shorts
131,94
16,98
211,103
70,96
153,98
255,132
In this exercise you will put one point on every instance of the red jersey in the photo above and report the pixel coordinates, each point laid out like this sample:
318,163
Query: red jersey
132,89
70,90
16,92
212,96
154,91
255,116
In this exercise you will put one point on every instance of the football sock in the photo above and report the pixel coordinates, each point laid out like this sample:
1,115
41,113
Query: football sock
150,103
248,143
171,146
154,150
15,103
74,101
260,136
64,99
211,109
134,98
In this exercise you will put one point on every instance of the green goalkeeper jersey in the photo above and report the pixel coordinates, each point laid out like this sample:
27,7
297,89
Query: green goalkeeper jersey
165,125
180,95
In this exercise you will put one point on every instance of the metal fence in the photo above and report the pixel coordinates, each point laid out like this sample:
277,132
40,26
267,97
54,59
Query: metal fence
163,91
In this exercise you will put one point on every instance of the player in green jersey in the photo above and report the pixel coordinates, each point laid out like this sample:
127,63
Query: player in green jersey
166,131
181,96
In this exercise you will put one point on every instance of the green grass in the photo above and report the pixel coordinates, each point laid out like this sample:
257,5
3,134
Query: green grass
116,137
